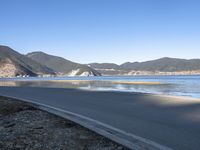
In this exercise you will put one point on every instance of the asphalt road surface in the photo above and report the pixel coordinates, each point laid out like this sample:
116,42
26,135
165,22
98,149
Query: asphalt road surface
170,121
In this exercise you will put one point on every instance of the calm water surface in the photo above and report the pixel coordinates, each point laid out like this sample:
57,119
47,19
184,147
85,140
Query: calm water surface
170,85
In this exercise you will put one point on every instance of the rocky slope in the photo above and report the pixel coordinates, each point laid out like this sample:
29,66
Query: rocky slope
63,66
14,64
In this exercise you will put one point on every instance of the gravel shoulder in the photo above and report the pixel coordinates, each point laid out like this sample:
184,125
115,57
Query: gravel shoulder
24,127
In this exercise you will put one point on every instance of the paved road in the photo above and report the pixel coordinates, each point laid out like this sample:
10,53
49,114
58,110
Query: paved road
173,122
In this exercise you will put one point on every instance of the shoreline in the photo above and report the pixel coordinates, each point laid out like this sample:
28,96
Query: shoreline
137,75
111,90
175,86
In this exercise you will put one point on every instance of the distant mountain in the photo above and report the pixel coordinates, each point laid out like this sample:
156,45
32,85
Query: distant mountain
162,66
108,68
14,64
165,64
104,66
63,66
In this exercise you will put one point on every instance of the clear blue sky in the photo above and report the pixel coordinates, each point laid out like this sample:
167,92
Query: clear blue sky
102,30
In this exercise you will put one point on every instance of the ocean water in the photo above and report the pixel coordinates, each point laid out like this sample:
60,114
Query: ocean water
169,85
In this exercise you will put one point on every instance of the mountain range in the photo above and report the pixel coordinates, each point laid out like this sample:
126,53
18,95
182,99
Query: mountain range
62,66
162,66
14,64
38,63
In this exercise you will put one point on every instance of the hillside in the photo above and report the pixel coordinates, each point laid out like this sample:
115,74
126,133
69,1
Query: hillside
108,68
14,64
165,64
63,66
162,66
104,66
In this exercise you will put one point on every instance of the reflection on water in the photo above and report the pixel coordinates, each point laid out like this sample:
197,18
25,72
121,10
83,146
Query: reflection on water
171,85
8,83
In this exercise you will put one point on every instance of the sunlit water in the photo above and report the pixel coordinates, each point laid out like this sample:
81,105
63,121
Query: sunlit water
169,85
